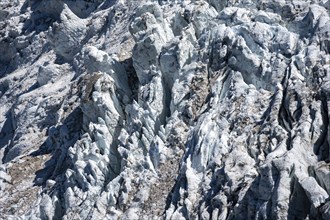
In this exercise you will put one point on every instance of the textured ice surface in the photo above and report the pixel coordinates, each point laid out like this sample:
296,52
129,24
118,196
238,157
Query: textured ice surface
164,109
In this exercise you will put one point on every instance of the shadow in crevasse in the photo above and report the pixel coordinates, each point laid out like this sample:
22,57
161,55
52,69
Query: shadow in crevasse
59,140
43,15
250,206
7,131
299,205
236,209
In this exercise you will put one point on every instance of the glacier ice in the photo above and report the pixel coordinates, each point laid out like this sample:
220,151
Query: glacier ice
164,109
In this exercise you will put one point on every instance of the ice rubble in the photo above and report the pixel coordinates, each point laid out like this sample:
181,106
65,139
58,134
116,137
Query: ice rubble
164,109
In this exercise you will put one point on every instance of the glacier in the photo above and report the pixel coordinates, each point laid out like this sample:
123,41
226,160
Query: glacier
168,109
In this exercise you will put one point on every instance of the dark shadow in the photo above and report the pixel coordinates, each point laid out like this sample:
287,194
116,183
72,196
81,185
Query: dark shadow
7,131
40,19
4,86
173,197
59,139
216,185
321,146
133,81
299,205
242,209
30,89
8,58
